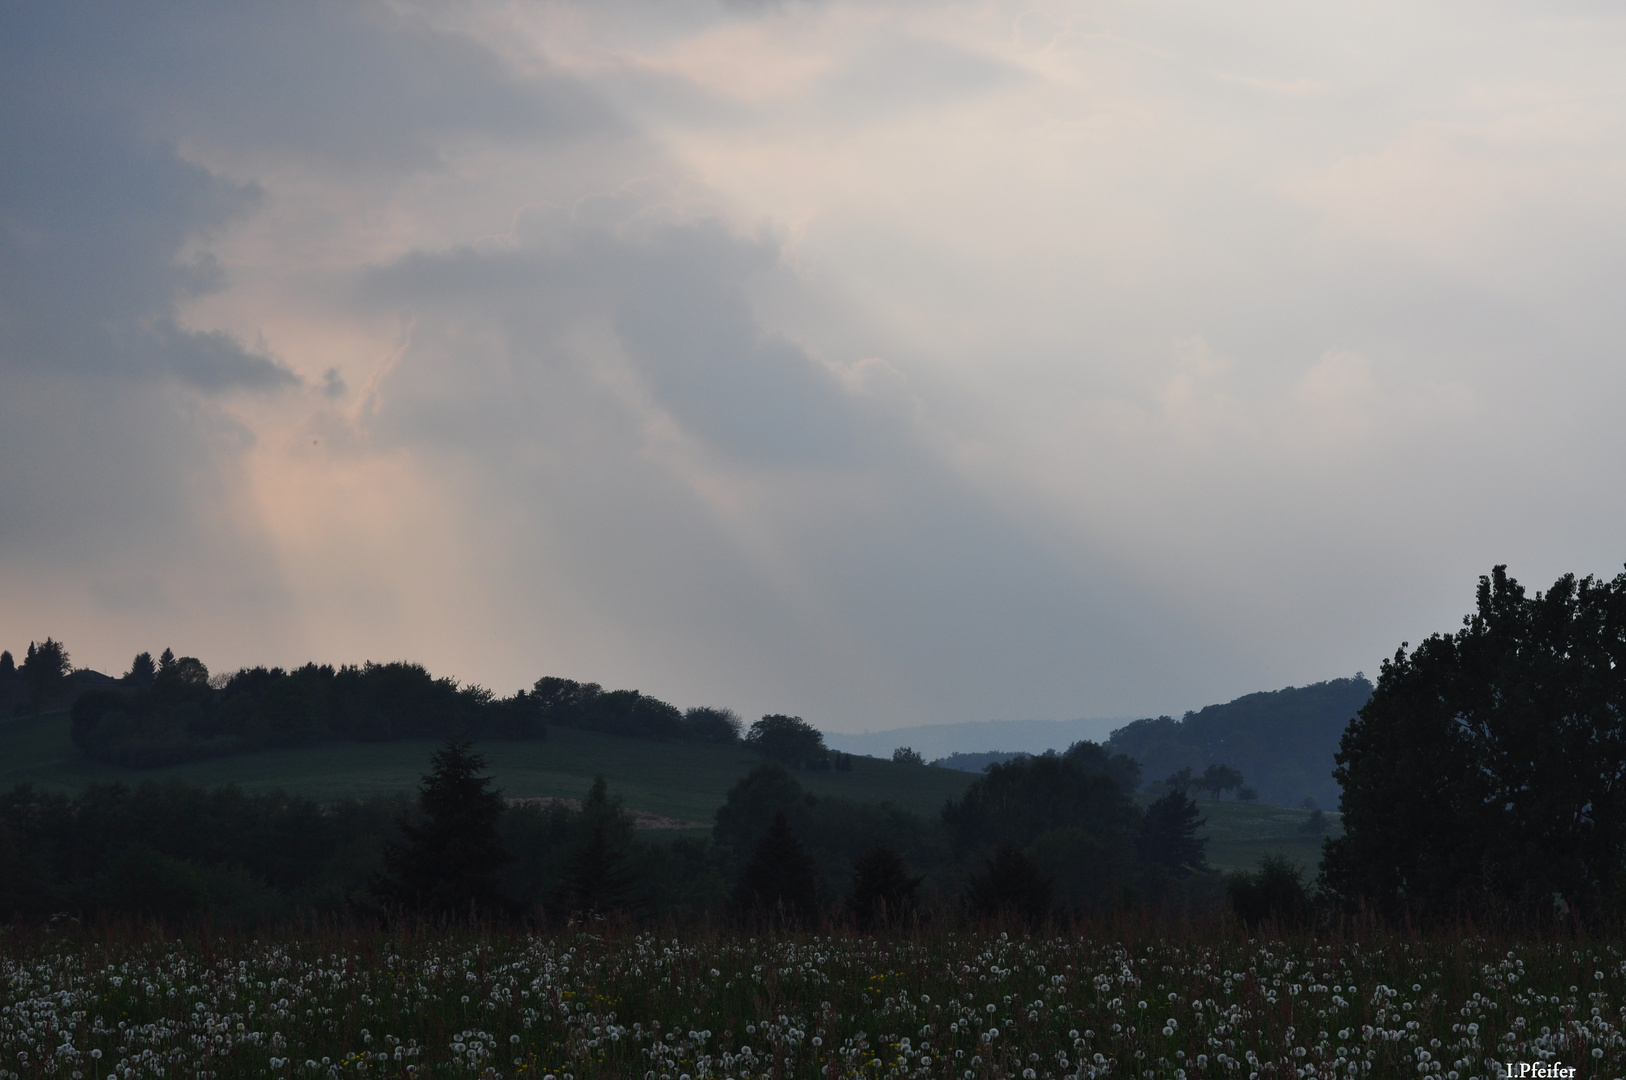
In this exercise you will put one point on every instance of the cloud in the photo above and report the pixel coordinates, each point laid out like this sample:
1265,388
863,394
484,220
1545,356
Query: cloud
726,508
881,362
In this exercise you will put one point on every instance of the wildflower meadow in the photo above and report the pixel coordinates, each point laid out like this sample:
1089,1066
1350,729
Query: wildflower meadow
698,1005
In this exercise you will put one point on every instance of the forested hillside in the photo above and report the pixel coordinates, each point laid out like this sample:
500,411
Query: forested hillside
1282,741
171,710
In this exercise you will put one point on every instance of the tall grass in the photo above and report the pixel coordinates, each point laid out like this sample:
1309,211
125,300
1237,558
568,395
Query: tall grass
1133,995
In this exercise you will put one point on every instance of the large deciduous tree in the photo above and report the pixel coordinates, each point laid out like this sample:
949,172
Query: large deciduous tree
1487,774
789,740
1018,801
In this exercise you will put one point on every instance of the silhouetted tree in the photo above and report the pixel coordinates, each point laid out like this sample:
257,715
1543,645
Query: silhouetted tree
46,671
142,670
1009,886
779,883
452,855
706,724
1181,781
1275,892
883,889
598,880
1218,779
1094,758
1016,801
1484,775
789,740
1246,794
907,755
8,666
1168,836
185,670
165,660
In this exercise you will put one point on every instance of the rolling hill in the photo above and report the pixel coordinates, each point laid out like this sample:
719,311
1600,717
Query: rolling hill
680,780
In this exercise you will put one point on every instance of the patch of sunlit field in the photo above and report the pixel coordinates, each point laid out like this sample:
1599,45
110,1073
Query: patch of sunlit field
697,1006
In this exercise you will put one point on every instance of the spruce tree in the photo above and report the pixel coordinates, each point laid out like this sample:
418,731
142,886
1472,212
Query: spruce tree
779,883
883,889
452,855
597,880
142,670
47,673
1168,836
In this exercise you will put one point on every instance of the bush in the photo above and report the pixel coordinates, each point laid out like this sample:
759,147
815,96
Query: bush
1009,886
1272,894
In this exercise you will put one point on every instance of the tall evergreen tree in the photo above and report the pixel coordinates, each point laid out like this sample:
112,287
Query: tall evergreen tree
47,673
779,883
597,880
142,670
883,889
452,855
1168,836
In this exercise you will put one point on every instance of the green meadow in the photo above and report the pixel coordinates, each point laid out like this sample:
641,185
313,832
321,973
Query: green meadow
685,782
1240,834
678,780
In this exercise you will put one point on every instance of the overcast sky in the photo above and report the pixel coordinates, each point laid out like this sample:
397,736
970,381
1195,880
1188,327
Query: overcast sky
883,363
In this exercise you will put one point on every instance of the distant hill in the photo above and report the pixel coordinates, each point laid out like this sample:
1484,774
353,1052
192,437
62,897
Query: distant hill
975,737
1283,741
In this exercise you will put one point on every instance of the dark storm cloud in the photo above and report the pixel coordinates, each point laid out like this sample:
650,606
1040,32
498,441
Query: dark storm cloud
356,82
93,220
123,488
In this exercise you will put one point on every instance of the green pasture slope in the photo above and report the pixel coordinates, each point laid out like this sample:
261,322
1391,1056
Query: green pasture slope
1240,834
683,781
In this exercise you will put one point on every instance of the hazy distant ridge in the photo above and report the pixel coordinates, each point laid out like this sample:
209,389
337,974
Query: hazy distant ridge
940,740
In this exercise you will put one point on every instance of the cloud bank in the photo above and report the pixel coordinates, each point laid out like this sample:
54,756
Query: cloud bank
887,364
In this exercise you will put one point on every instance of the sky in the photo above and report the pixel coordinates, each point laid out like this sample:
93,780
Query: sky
883,363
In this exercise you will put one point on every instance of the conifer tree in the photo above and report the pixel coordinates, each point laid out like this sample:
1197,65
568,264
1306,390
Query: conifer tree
883,889
452,855
1168,836
779,883
47,673
142,670
597,880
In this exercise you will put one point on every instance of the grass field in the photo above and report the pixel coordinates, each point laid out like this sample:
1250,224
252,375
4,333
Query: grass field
1240,834
684,781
